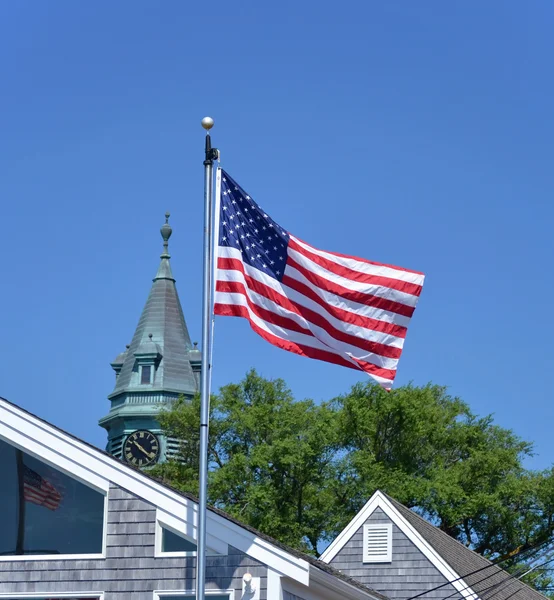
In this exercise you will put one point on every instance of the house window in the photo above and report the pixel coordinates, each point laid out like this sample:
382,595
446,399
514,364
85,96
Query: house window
145,374
44,511
171,542
208,596
50,597
377,543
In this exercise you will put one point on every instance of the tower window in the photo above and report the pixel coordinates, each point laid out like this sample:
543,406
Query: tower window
145,374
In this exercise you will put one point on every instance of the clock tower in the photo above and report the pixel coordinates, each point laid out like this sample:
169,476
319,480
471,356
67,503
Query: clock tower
157,367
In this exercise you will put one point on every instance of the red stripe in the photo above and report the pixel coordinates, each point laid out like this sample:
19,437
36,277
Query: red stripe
402,286
339,313
364,260
339,290
233,310
306,313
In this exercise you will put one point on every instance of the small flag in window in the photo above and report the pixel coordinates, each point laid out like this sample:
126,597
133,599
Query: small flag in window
39,490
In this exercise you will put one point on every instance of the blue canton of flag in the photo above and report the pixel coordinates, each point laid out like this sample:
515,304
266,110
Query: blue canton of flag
245,226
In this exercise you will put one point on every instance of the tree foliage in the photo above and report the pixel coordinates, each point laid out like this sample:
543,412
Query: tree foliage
300,471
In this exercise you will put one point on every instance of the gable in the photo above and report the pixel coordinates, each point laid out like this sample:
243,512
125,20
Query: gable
407,573
390,510
102,472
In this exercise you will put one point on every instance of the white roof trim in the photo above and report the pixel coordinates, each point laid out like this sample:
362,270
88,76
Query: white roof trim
94,467
379,500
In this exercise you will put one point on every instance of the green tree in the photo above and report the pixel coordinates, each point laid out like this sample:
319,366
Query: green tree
299,471
271,458
430,452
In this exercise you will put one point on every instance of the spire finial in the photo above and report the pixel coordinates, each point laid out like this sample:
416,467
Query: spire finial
166,232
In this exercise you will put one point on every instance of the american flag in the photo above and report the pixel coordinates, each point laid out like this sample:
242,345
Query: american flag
38,490
332,307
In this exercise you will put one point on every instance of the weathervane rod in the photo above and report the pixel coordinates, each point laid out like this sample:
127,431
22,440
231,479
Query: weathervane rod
211,155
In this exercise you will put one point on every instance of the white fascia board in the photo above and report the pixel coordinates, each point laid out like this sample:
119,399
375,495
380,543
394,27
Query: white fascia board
46,443
341,540
379,500
96,468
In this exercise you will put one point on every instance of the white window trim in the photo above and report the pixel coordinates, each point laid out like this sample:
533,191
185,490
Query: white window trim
40,557
159,594
366,559
31,595
158,552
188,530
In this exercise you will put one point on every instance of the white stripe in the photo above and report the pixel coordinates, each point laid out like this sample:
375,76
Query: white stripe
328,297
364,267
364,288
321,334
305,302
285,334
354,307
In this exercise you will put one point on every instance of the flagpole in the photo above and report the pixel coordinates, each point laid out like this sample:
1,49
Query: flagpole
211,155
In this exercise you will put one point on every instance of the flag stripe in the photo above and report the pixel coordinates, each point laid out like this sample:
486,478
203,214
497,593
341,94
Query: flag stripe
286,297
266,308
317,280
294,342
344,310
368,293
366,265
350,272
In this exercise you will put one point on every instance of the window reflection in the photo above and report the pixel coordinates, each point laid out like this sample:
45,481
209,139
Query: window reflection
171,542
44,511
192,597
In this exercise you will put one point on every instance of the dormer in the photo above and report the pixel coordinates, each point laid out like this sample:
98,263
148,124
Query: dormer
147,358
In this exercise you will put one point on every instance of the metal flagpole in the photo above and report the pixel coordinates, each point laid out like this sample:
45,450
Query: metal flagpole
211,155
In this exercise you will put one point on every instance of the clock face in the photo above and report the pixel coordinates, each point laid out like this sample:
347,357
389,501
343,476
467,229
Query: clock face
141,449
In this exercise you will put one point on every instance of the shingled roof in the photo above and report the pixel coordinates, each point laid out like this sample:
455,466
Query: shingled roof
485,578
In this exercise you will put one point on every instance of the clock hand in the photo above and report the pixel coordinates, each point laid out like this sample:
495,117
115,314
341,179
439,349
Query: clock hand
150,455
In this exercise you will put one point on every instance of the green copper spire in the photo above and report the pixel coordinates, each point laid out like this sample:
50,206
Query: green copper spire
159,365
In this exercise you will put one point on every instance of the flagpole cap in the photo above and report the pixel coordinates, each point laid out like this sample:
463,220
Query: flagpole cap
207,123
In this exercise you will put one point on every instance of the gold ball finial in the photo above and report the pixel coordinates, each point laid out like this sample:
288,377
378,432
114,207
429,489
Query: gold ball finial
207,123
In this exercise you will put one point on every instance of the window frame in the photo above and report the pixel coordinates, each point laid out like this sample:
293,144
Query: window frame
215,546
160,594
40,557
158,552
379,559
52,595
150,374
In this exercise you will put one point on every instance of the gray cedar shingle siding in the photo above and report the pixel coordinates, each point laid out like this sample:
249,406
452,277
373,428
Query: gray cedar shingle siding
409,573
289,596
129,570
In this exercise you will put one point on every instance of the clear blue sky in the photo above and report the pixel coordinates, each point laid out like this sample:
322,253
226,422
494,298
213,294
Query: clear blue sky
413,133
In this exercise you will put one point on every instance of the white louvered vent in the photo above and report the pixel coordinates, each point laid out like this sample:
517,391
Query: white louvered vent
377,543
